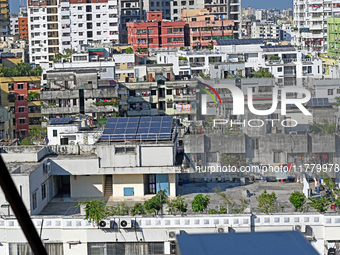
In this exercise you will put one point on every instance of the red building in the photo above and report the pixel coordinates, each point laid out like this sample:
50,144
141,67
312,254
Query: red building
155,33
23,28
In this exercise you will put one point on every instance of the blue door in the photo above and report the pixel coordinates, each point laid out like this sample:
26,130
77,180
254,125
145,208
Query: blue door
162,182
128,192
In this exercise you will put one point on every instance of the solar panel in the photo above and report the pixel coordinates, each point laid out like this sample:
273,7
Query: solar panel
318,102
108,131
145,119
121,125
155,124
132,125
111,120
134,120
123,120
110,125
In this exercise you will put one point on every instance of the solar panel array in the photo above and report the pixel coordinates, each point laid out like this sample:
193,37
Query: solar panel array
138,128
318,102
61,120
278,48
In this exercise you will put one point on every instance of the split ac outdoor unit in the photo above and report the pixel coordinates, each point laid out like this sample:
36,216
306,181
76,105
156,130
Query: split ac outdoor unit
125,223
223,229
301,228
172,234
104,224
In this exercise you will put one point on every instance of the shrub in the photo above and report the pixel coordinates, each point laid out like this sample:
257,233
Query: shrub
320,204
200,203
266,202
298,200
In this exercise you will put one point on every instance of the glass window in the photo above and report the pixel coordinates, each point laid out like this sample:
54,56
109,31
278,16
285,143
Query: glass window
43,191
34,201
55,133
330,92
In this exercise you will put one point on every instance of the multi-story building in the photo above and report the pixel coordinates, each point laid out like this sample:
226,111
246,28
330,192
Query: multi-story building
81,91
5,18
178,6
229,9
155,33
156,92
333,32
286,32
13,50
265,30
23,23
310,23
14,26
6,123
55,27
202,29
22,95
261,15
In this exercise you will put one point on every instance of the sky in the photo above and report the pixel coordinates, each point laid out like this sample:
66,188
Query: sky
264,4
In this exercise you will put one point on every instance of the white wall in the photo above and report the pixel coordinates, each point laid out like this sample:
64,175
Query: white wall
157,156
86,186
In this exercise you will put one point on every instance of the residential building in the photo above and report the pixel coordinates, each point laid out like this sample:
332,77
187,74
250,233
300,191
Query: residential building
130,11
202,28
14,25
22,94
261,15
23,23
83,91
5,18
6,123
178,6
163,6
265,30
72,131
14,51
156,92
310,23
226,10
155,33
246,28
328,88
90,23
333,31
286,32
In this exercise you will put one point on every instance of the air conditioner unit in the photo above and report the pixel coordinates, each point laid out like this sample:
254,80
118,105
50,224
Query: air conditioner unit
301,228
223,229
125,223
104,224
172,234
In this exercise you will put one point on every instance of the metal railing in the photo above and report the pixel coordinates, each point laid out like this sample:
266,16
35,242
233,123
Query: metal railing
138,138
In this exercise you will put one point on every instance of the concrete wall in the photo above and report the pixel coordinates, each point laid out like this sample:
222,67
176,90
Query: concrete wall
27,153
86,186
156,156
128,181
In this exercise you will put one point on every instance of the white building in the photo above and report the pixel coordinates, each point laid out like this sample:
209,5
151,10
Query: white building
57,27
286,32
261,15
14,25
75,236
310,23
265,30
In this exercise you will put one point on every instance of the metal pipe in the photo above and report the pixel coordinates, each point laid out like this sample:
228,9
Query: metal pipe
20,210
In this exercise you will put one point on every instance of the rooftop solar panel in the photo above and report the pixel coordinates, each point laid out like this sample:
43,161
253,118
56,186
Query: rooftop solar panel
121,125
318,102
110,125
123,120
111,120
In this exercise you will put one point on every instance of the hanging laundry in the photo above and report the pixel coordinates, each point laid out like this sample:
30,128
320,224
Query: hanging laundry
324,156
179,107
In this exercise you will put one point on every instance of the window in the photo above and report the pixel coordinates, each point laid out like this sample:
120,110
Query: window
279,69
81,33
150,31
98,7
152,4
169,30
80,16
98,16
98,24
34,201
11,86
253,89
99,32
130,150
21,98
55,133
80,25
153,106
43,191
153,92
169,92
22,121
80,8
121,150
330,92
175,11
169,40
23,132
21,109
338,91
207,19
276,157
183,3
20,86
194,19
191,2
169,105
157,4
255,144
151,181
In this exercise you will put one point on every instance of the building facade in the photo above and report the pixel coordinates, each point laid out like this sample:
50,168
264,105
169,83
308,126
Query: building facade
333,32
5,18
22,95
265,30
50,26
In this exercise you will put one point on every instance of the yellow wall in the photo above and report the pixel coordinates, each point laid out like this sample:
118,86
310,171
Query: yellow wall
11,62
86,186
121,181
328,62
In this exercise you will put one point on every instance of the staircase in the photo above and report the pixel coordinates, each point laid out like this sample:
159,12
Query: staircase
108,186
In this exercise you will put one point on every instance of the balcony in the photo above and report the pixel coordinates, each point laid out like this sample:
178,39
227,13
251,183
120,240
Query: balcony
60,110
197,64
60,94
102,108
142,112
139,99
289,73
184,98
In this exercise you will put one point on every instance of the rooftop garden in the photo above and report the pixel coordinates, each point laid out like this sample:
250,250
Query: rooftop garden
21,69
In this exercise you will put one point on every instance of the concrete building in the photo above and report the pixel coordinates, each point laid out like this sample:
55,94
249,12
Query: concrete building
21,94
286,32
6,123
156,92
155,33
13,50
5,18
14,25
203,29
328,88
100,20
310,24
333,37
18,23
261,15
72,131
70,92
265,30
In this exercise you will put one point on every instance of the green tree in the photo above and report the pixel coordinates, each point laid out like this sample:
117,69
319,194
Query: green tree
326,127
266,202
320,204
213,211
227,200
120,209
298,200
137,209
26,141
202,75
177,204
200,203
129,50
154,204
95,210
32,95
